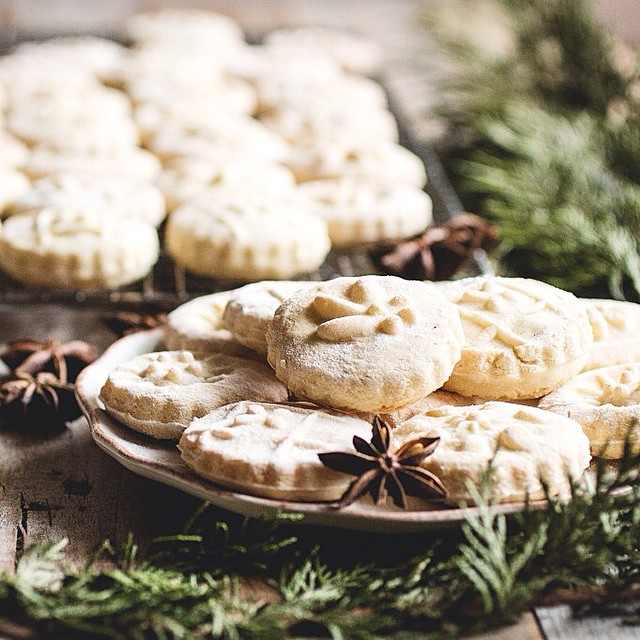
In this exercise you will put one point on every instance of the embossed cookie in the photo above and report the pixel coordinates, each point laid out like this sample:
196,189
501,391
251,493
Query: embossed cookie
355,52
606,402
321,159
77,250
523,444
271,450
616,327
250,309
367,209
132,164
13,153
245,239
176,27
371,344
98,56
197,326
160,393
13,185
233,134
106,196
434,400
302,124
524,338
188,178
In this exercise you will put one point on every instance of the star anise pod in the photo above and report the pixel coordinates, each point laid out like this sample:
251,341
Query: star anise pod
123,323
381,471
40,402
64,359
441,251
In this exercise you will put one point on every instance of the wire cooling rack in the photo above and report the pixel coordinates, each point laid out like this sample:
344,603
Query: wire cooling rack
168,284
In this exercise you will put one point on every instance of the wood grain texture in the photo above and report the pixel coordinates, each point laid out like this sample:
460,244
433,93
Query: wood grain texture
62,485
559,623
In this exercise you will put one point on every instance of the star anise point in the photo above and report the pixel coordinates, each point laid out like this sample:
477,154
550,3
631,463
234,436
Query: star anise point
380,471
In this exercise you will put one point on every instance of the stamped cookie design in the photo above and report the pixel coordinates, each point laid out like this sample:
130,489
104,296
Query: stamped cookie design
524,338
246,238
77,249
197,326
616,327
271,450
523,444
160,393
367,209
606,402
368,344
250,309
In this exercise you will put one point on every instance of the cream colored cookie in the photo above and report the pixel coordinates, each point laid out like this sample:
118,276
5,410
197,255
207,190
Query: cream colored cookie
371,344
13,185
355,52
303,124
32,79
263,65
218,94
104,195
174,27
77,250
354,93
367,209
78,135
616,327
524,445
94,103
606,402
95,55
132,164
524,338
272,450
237,134
432,401
160,393
323,159
13,153
250,310
197,326
245,239
188,178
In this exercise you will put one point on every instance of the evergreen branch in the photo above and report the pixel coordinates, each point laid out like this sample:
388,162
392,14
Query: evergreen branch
443,585
544,140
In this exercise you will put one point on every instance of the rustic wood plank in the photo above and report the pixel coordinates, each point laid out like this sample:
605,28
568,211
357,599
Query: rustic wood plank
525,629
558,623
63,485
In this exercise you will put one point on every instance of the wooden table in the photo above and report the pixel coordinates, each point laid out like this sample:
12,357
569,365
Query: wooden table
63,485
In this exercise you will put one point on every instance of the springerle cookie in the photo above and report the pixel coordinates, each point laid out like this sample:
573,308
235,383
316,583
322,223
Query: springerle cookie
160,393
523,447
271,450
524,338
606,402
370,344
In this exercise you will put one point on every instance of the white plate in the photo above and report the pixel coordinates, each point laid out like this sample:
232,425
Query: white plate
160,461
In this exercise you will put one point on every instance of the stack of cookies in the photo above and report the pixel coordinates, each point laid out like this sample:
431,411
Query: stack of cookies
264,156
258,380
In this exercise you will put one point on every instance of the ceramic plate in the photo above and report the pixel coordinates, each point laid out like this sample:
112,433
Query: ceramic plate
160,461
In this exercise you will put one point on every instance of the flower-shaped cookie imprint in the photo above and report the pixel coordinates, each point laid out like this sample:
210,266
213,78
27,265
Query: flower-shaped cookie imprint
622,390
283,430
364,311
489,306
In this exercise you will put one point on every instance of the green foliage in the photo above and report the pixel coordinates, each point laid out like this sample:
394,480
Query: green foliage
545,142
338,584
